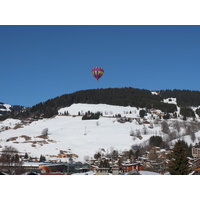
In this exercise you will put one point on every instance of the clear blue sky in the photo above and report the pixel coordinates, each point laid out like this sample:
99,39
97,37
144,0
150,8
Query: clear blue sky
42,62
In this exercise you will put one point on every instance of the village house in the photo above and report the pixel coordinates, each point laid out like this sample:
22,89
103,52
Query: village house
101,171
115,169
196,151
126,167
146,122
154,111
157,153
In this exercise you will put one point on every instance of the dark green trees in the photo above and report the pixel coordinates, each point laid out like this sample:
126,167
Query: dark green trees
26,156
155,141
42,158
104,164
90,115
179,162
187,112
142,113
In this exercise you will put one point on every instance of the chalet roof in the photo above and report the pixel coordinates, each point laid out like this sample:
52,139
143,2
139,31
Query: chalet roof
142,158
131,164
196,146
190,158
148,173
133,172
155,148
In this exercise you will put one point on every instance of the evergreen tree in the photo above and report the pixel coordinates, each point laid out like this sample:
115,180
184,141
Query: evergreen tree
131,154
42,158
114,154
188,149
155,141
104,164
142,113
26,156
179,163
187,112
101,164
137,154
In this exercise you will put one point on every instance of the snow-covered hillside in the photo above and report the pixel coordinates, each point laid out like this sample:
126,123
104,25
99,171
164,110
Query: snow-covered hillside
81,137
4,108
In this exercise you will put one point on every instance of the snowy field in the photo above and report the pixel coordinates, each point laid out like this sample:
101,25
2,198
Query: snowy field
80,137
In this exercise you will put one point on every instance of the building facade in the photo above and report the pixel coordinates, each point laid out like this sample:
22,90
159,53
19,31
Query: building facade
196,151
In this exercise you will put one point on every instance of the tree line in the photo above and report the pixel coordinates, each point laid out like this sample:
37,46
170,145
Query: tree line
183,97
134,97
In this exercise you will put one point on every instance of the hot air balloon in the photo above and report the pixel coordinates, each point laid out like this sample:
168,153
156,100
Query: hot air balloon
97,72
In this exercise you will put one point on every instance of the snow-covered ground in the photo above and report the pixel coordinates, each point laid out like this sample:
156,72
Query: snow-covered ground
81,137
10,123
140,172
170,101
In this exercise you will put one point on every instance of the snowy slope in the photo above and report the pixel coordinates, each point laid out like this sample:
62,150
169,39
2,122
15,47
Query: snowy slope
6,108
82,137
10,123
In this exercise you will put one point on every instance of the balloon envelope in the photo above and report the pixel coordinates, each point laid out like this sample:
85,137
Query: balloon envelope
97,72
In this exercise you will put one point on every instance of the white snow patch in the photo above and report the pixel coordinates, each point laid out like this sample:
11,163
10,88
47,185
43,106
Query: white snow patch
170,101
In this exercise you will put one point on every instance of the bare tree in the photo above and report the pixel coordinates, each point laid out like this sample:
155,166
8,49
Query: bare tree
193,137
153,155
132,132
165,127
10,160
176,126
173,135
190,130
145,130
97,123
138,133
45,131
86,158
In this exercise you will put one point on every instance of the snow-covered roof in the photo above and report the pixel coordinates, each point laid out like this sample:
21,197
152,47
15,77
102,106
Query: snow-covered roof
148,173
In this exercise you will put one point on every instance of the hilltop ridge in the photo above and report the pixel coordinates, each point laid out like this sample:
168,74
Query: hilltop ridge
134,97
